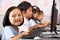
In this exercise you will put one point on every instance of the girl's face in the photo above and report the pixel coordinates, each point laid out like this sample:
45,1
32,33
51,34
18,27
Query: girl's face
15,17
35,15
28,13
40,17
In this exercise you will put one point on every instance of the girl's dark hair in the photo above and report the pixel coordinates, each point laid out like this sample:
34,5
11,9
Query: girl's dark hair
35,9
6,21
24,5
41,12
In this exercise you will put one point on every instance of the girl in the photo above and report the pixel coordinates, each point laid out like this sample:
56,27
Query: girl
33,21
37,16
40,18
35,11
12,19
26,9
36,20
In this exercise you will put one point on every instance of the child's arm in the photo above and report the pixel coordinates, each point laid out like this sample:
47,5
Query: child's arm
35,27
44,24
18,36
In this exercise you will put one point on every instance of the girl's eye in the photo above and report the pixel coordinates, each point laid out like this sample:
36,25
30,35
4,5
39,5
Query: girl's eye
19,15
13,15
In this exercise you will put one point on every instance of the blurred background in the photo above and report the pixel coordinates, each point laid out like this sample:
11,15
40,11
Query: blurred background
44,5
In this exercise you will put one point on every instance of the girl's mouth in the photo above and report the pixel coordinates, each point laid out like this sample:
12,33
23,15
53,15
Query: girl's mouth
17,21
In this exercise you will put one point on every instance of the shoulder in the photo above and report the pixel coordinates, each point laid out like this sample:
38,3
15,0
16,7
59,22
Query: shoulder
25,19
7,33
32,21
7,29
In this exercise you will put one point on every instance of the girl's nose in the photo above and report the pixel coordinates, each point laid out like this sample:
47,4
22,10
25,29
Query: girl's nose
17,17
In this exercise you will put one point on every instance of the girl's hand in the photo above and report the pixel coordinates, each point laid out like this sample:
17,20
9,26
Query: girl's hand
39,26
46,23
24,33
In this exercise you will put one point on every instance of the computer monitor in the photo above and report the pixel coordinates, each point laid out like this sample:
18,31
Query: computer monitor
54,16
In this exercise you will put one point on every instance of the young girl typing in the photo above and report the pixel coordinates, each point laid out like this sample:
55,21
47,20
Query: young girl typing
38,17
12,19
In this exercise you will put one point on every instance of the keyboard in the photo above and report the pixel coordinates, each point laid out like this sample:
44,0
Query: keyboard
33,34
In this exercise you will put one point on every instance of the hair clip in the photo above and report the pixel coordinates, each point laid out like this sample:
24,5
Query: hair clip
34,7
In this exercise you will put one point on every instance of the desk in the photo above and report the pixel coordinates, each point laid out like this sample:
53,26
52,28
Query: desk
43,34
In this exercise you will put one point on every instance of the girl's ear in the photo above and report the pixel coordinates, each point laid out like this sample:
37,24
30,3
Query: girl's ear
24,13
